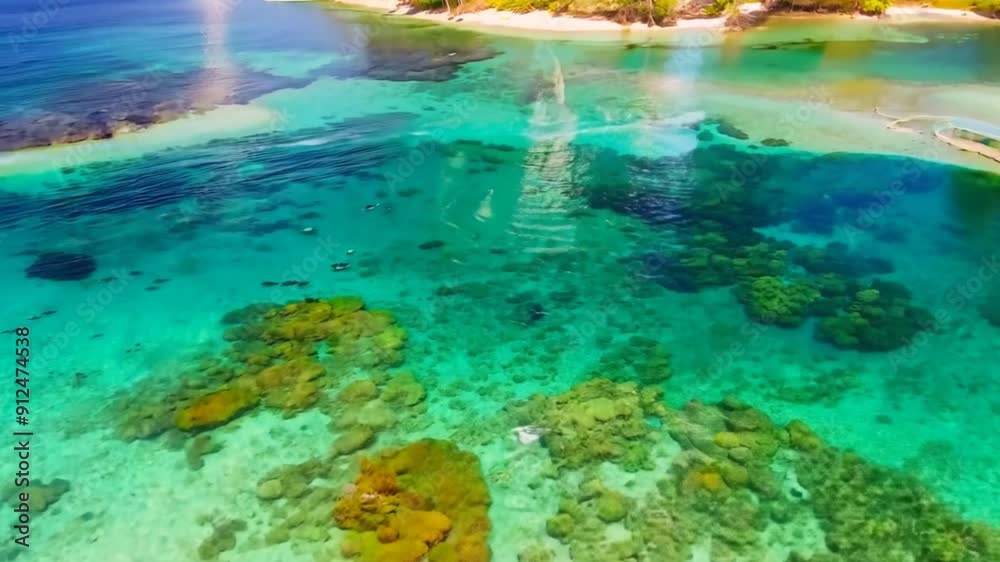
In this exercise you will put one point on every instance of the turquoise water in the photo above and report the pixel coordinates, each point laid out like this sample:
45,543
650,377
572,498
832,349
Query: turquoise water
559,231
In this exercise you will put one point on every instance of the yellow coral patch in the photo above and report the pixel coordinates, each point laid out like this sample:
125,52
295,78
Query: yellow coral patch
392,498
214,409
727,439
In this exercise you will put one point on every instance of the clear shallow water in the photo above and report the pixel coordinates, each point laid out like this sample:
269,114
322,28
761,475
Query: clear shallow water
550,214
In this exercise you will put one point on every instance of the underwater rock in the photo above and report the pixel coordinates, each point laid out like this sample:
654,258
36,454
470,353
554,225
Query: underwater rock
772,142
560,526
270,489
199,447
290,481
728,129
426,499
536,553
222,539
62,266
354,439
358,392
404,389
41,496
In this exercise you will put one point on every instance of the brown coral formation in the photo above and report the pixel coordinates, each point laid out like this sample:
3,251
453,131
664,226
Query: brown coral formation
427,499
281,356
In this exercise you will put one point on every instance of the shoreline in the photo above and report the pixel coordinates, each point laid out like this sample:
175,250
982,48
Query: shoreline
532,23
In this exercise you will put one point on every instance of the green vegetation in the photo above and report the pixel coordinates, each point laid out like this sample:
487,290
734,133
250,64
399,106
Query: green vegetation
649,11
872,7
663,11
654,11
720,7
427,4
989,8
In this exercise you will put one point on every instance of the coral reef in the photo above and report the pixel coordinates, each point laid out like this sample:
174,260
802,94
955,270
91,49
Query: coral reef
281,356
427,499
772,301
364,408
878,318
642,360
214,409
595,421
869,513
726,447
300,506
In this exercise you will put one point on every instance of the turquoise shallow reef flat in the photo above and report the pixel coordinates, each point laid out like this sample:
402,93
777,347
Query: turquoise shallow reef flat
307,284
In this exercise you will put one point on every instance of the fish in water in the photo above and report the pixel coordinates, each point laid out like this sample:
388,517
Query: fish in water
289,283
135,273
49,313
371,206
106,279
536,312
268,283
340,266
160,280
431,244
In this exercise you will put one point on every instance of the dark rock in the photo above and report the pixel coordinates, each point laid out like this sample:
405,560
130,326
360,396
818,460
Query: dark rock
62,266
730,130
431,245
774,142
